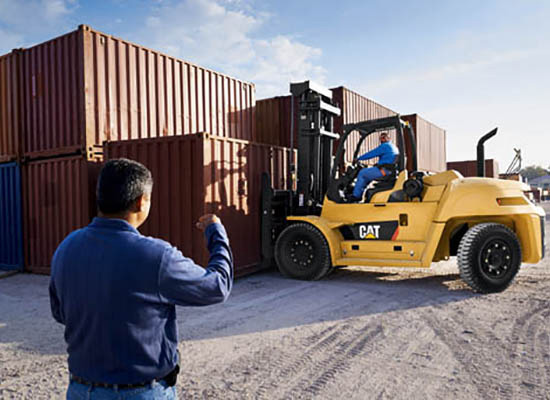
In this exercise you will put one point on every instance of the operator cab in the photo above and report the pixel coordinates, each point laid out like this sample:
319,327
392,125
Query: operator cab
358,138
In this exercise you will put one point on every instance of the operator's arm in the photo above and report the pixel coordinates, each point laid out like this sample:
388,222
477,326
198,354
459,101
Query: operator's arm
377,152
184,283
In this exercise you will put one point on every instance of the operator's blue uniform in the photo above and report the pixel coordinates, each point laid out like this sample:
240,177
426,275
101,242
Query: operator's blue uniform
115,291
388,153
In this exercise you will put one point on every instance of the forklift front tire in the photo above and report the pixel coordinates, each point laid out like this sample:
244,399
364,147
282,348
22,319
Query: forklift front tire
302,252
489,257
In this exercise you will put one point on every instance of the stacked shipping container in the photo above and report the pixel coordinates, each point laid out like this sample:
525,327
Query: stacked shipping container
198,174
58,198
63,98
86,87
11,239
273,122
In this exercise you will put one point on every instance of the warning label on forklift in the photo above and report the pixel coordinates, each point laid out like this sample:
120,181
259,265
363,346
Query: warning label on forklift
383,230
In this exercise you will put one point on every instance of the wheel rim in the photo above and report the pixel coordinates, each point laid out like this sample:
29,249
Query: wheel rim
302,253
496,260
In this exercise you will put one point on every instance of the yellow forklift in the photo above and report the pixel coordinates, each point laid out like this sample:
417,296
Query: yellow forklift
407,219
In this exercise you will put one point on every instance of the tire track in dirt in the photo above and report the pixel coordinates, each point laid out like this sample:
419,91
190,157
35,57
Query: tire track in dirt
289,367
480,367
259,374
323,371
532,347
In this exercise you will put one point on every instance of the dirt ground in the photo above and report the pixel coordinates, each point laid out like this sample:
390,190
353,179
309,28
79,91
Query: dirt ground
359,334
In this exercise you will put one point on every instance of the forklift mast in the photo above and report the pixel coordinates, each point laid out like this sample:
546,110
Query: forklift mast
315,144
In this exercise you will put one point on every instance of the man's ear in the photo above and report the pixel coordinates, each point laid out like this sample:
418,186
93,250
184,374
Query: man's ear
138,204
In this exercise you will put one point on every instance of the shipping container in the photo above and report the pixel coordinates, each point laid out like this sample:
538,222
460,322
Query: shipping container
469,168
356,108
11,236
59,197
273,119
86,87
9,107
431,145
198,174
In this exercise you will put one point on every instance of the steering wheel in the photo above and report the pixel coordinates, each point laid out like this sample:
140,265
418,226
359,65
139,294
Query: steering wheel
345,182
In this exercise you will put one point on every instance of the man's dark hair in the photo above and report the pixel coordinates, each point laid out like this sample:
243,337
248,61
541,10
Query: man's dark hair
121,182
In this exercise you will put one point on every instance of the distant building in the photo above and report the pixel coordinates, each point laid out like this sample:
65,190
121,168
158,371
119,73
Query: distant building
542,182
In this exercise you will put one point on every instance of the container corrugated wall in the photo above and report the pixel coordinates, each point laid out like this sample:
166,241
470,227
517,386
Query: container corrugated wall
199,174
52,83
357,108
9,107
86,87
273,121
431,145
273,118
233,191
59,197
11,239
469,167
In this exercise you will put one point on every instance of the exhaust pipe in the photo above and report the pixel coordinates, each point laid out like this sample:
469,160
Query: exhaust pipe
481,152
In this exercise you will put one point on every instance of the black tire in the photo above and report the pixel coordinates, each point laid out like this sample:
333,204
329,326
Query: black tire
489,257
302,252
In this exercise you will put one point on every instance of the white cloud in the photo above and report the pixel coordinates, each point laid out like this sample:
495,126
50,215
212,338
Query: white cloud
25,14
282,60
221,34
22,21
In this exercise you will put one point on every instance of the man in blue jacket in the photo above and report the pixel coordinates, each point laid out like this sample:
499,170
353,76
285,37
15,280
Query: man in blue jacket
115,291
387,153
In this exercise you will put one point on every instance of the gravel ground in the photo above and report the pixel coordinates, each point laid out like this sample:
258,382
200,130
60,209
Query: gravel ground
359,334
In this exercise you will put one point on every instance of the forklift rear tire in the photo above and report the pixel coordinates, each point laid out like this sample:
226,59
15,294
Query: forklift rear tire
489,257
302,252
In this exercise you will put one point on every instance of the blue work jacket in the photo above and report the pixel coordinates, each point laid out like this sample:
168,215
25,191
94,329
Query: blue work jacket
387,152
115,291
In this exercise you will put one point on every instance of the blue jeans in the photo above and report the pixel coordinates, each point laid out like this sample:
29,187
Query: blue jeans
366,176
157,390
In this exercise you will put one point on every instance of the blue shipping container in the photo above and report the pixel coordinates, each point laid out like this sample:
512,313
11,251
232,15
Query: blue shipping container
11,234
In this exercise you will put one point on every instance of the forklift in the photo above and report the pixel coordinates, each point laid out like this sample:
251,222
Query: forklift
406,219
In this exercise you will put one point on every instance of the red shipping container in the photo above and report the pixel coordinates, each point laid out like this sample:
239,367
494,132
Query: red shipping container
273,118
356,108
431,145
58,197
273,121
198,174
86,87
9,107
469,168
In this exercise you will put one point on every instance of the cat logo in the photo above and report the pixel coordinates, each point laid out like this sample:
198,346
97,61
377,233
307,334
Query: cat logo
369,231
372,230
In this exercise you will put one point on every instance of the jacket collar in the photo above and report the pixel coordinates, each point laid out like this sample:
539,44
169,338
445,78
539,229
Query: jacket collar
112,223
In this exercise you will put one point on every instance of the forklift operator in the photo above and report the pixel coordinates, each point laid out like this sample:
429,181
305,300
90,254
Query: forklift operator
387,153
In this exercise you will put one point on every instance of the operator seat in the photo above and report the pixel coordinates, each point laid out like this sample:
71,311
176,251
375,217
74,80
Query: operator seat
382,184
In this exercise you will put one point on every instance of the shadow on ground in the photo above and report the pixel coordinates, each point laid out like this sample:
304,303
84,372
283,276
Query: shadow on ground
267,301
261,302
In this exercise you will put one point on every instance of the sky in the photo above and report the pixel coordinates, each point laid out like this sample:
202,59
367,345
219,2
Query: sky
467,66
